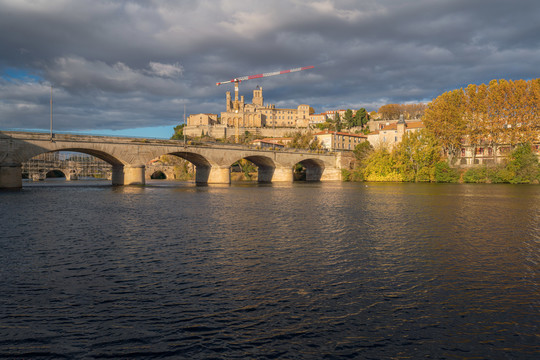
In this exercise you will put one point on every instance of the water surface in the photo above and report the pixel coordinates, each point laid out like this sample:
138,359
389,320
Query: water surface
295,271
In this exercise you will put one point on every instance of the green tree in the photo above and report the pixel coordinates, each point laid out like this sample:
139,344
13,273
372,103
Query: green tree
361,118
178,132
380,166
348,119
303,141
362,151
445,174
523,166
338,125
416,156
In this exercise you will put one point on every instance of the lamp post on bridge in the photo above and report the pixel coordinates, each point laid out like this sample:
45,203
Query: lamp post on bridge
52,135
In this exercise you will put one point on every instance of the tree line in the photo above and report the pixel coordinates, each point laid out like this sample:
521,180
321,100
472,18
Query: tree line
409,111
418,158
351,119
502,112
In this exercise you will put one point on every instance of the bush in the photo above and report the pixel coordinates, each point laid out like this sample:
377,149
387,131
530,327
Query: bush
523,165
380,166
445,174
475,175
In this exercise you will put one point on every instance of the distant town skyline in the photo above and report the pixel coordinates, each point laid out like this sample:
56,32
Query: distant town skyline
129,67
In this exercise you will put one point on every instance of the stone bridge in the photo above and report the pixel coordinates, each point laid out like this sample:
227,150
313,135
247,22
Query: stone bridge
128,157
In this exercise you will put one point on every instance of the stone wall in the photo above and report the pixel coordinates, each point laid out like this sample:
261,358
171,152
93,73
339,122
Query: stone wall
222,132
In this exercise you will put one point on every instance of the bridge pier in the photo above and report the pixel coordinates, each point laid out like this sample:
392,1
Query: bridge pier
213,174
265,174
134,175
219,175
117,175
10,176
330,174
283,174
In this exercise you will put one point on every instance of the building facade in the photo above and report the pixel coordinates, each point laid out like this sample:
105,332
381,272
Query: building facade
202,120
335,140
256,114
254,117
392,134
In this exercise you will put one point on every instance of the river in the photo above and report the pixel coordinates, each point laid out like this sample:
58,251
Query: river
247,271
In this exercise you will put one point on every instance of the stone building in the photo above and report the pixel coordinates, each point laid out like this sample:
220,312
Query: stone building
335,140
392,134
257,115
254,117
202,120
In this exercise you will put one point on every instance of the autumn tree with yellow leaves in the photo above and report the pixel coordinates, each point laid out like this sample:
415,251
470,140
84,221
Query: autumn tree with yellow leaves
502,112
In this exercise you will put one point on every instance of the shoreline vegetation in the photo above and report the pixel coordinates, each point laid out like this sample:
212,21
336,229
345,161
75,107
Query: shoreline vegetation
418,158
502,113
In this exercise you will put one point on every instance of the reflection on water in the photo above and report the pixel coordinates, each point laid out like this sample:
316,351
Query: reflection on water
173,270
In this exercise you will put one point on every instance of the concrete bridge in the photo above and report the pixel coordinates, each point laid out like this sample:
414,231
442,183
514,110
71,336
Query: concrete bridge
128,157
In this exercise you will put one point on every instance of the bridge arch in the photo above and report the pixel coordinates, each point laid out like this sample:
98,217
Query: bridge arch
158,175
108,158
205,171
66,164
265,167
55,173
309,170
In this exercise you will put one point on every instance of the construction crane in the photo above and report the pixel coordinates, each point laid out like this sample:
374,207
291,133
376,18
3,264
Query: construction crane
238,80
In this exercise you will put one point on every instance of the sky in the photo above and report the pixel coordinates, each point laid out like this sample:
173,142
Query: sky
129,68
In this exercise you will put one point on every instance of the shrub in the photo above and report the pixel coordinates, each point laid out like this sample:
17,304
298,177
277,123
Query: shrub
345,175
475,175
523,165
445,174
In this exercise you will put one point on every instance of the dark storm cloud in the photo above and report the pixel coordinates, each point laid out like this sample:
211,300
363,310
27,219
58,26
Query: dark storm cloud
127,64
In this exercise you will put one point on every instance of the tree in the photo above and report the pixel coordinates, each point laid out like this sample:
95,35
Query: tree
361,118
337,122
348,119
303,141
523,166
390,111
178,132
409,111
444,119
416,156
380,166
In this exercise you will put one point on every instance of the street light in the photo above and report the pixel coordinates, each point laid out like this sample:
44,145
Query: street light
52,135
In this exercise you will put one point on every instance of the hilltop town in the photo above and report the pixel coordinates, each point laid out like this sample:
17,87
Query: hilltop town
270,126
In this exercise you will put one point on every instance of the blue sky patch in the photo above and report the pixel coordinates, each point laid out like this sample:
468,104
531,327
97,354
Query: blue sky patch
12,74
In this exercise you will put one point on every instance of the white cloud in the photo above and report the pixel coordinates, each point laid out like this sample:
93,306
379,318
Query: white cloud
166,70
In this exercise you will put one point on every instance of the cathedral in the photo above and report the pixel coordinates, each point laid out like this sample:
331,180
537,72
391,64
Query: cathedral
258,115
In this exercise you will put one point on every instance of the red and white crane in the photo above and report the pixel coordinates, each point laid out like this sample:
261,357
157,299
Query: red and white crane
243,78
238,80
